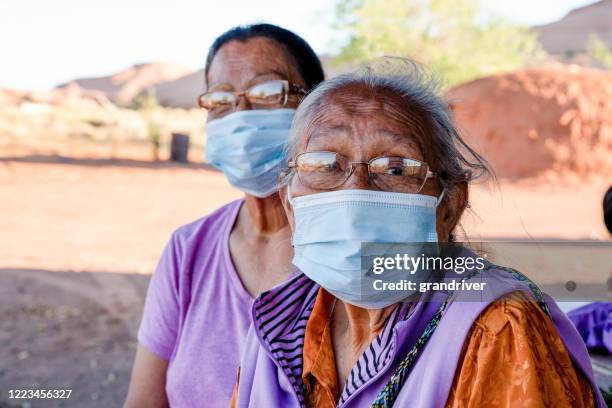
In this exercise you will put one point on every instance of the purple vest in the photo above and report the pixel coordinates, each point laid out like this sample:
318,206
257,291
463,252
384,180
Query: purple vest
272,359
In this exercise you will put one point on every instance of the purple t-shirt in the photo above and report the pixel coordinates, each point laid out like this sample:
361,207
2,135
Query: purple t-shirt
196,314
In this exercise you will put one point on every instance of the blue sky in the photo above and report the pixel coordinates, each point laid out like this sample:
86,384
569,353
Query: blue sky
44,42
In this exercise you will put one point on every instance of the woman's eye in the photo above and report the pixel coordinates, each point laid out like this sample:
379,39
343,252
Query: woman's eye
395,171
327,168
221,108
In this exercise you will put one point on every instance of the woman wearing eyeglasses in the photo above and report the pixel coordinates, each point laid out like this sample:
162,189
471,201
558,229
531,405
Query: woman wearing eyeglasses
374,157
197,309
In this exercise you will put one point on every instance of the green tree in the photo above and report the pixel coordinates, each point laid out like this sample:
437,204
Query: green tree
146,100
458,39
146,103
599,51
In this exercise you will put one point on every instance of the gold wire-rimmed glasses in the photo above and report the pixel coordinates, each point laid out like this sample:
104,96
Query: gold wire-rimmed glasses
323,170
265,95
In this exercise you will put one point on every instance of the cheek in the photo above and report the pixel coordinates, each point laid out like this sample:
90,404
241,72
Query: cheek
288,209
292,102
446,220
441,230
298,189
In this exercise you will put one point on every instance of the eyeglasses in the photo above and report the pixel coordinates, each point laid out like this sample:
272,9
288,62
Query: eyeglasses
266,95
328,170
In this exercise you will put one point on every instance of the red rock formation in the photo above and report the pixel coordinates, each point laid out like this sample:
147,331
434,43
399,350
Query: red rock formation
539,120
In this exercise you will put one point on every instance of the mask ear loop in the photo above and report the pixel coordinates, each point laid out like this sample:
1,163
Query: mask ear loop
440,197
289,198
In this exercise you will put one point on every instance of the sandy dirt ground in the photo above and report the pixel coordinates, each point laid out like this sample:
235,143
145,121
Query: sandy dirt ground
80,237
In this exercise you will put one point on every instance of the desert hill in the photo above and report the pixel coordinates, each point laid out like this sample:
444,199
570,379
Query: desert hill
122,87
570,35
181,92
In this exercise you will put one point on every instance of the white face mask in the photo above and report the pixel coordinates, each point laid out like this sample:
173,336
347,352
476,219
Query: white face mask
249,148
330,228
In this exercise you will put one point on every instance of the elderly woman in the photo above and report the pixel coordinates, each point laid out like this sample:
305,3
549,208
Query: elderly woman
374,157
196,313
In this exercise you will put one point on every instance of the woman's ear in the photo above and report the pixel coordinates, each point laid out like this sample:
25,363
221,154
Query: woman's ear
450,210
283,195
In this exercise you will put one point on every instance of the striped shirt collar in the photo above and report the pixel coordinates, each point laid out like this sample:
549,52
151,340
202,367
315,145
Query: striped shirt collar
280,316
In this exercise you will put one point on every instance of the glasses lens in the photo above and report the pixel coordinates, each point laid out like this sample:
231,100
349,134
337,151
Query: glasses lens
217,101
398,174
267,93
322,170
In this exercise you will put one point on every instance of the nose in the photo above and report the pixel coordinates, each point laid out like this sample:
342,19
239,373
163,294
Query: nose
360,179
242,103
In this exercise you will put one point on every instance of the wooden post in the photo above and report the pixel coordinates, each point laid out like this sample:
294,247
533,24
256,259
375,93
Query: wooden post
179,148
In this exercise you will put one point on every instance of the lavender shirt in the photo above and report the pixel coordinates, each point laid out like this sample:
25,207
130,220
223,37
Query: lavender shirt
197,312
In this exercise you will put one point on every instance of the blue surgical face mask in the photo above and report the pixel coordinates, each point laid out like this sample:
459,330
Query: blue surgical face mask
330,228
248,147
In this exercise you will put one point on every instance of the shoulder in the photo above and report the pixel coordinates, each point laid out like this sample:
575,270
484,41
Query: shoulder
515,349
213,225
517,319
517,311
194,244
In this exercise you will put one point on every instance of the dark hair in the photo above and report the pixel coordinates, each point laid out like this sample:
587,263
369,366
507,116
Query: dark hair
308,64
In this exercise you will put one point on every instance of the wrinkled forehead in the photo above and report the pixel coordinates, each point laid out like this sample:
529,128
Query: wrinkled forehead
360,109
238,62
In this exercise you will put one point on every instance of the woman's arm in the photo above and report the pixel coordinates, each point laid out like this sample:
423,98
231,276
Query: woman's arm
157,333
148,383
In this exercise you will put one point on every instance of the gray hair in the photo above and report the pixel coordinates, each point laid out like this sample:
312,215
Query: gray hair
442,146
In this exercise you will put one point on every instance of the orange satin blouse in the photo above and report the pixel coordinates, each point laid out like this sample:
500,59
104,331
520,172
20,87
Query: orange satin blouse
513,357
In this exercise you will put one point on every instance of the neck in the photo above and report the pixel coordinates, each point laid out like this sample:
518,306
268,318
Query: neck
360,325
265,215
